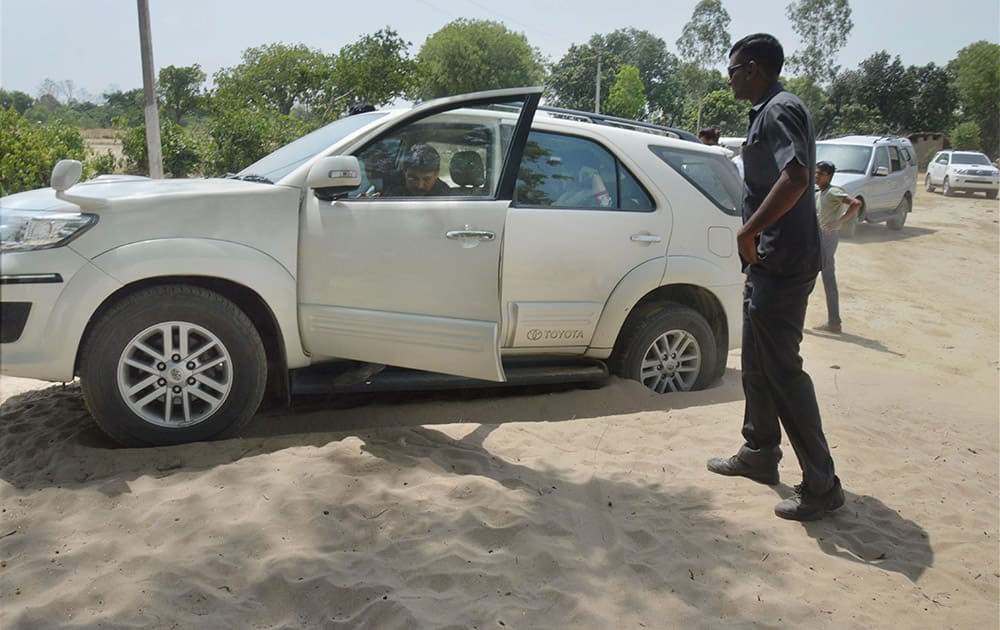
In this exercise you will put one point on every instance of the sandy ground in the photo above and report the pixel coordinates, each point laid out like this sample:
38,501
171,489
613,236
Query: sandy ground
550,508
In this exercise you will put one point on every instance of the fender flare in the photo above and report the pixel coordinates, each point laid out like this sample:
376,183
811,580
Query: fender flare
214,259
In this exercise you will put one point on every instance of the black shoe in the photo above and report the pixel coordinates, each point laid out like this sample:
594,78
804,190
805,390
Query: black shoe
805,506
735,467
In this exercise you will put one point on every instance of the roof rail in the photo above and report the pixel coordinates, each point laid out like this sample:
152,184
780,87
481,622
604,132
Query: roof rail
615,121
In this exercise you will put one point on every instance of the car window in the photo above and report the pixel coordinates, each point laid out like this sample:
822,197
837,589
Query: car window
847,158
907,155
561,171
943,159
970,158
881,157
455,153
894,160
713,175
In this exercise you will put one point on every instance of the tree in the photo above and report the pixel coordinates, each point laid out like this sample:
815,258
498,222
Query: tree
181,153
571,79
277,77
128,105
886,88
815,99
376,69
704,43
824,26
627,97
180,90
28,151
725,113
18,100
936,98
977,80
966,136
473,55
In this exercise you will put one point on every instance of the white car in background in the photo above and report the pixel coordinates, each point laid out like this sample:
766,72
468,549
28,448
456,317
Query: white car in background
962,171
182,304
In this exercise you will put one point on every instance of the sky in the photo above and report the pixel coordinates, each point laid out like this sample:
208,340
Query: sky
95,43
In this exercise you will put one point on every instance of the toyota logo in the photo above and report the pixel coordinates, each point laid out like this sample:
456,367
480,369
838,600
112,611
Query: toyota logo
534,334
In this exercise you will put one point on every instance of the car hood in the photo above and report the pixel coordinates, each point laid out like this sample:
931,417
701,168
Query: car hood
103,192
850,182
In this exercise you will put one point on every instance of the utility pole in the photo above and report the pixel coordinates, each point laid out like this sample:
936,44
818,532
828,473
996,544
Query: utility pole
149,91
597,92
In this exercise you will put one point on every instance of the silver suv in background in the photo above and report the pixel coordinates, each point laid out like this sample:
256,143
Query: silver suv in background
879,170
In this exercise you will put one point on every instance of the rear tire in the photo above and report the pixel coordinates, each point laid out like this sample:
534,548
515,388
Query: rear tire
172,364
927,183
667,348
897,220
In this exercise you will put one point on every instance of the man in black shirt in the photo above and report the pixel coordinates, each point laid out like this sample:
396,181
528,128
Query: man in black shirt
419,176
779,245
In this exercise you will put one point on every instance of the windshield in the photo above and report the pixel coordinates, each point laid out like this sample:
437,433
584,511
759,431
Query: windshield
847,158
969,158
276,165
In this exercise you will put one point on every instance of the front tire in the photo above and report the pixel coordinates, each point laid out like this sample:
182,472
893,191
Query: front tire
991,194
172,364
897,220
946,189
928,185
667,348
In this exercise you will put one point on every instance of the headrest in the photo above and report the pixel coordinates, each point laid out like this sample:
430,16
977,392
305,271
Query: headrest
467,169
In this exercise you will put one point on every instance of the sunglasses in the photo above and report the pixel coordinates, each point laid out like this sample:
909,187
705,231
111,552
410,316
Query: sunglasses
732,69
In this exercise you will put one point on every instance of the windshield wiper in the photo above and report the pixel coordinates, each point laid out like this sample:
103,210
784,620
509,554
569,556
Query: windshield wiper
260,179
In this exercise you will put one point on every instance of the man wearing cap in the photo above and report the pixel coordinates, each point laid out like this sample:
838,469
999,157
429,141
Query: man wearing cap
830,202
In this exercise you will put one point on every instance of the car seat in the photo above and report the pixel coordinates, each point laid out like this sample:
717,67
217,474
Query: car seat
468,173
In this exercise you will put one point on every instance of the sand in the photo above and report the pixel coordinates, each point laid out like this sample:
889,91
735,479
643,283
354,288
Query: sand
549,507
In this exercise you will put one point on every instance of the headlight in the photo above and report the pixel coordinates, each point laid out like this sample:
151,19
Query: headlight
26,230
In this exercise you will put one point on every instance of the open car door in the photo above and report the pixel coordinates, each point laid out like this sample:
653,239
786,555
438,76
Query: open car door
406,273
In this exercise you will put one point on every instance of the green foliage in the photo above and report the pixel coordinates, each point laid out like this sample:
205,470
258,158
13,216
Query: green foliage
127,105
571,82
627,97
376,69
966,136
179,90
473,55
977,80
277,77
885,87
100,164
181,153
824,26
705,39
241,137
816,101
18,100
725,113
28,150
935,100
703,43
857,119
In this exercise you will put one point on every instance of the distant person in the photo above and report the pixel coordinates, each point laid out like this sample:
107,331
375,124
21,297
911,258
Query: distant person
419,177
830,202
780,249
709,136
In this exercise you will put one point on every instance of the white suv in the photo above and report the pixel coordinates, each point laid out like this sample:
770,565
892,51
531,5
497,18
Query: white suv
881,171
962,171
182,304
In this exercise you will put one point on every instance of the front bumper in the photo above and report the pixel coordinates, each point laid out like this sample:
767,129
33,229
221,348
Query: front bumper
47,297
974,182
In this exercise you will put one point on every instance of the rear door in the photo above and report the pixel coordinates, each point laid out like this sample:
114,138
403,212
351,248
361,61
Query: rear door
391,276
580,222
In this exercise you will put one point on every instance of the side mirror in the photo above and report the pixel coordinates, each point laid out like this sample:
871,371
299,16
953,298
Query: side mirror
333,177
66,173
881,171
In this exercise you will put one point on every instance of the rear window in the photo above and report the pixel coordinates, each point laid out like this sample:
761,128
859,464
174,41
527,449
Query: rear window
713,175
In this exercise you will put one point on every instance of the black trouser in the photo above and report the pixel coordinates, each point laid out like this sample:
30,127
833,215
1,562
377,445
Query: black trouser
774,383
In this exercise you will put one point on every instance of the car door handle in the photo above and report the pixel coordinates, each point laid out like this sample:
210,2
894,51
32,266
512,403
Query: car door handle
645,238
480,235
